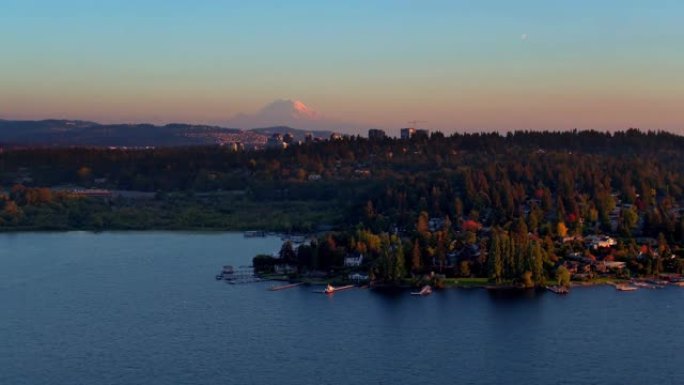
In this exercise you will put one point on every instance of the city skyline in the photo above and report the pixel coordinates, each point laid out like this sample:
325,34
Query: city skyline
458,65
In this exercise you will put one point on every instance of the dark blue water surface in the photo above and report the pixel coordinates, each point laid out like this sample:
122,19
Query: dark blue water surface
144,308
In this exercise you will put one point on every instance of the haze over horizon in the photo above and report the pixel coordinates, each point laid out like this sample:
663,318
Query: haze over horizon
458,65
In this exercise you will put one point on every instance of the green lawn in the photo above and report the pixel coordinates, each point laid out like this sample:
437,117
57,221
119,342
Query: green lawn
465,282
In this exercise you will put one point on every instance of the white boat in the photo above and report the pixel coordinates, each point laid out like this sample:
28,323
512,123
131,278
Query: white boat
330,289
626,287
426,290
644,285
558,289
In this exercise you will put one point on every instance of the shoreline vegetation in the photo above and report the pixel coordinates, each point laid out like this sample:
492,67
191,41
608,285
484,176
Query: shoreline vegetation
452,283
524,209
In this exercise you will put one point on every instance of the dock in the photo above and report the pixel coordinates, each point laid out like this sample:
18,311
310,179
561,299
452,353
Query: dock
623,287
284,287
558,289
646,285
237,276
335,289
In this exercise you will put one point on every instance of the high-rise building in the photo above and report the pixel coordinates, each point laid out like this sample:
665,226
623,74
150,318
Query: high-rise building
421,133
407,133
376,134
276,141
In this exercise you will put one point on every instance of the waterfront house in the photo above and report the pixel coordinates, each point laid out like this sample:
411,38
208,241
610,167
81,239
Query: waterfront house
599,241
354,260
435,224
466,253
613,265
359,277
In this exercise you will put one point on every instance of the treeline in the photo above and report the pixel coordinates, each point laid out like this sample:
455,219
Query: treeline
211,168
559,183
505,256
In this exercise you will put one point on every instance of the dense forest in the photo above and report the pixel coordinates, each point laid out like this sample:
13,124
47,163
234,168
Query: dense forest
510,207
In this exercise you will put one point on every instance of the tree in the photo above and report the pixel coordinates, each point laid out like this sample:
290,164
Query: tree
464,268
416,259
84,173
537,264
399,270
287,252
458,208
561,229
563,276
263,263
527,280
422,227
495,265
369,210
629,220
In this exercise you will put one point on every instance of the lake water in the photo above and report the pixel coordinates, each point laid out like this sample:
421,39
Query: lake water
144,308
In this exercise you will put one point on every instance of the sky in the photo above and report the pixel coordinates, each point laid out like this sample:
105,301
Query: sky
456,65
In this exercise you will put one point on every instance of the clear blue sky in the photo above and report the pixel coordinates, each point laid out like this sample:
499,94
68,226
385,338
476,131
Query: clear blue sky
457,64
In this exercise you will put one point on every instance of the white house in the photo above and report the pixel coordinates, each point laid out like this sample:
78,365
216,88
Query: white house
353,260
600,241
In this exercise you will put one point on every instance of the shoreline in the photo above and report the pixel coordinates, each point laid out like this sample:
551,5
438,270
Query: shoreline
483,284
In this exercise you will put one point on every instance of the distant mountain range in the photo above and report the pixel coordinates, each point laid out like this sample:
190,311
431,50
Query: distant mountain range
291,113
73,133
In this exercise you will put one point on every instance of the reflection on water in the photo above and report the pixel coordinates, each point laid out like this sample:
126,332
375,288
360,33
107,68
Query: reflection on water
130,308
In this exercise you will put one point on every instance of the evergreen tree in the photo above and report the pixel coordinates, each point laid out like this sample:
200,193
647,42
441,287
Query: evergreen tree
399,263
416,259
495,263
538,264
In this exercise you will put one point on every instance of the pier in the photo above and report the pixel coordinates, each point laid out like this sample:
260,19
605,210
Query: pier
284,287
243,274
331,290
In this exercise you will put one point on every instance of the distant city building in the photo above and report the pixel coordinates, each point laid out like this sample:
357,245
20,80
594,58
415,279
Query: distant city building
236,146
335,136
308,138
276,141
288,138
421,133
376,134
407,133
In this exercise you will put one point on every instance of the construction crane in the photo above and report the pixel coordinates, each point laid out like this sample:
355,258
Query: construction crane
413,123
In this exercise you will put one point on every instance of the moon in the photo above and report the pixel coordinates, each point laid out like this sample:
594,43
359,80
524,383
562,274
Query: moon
523,36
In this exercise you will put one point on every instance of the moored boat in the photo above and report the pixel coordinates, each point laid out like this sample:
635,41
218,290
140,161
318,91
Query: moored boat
645,285
624,287
426,290
330,289
558,289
